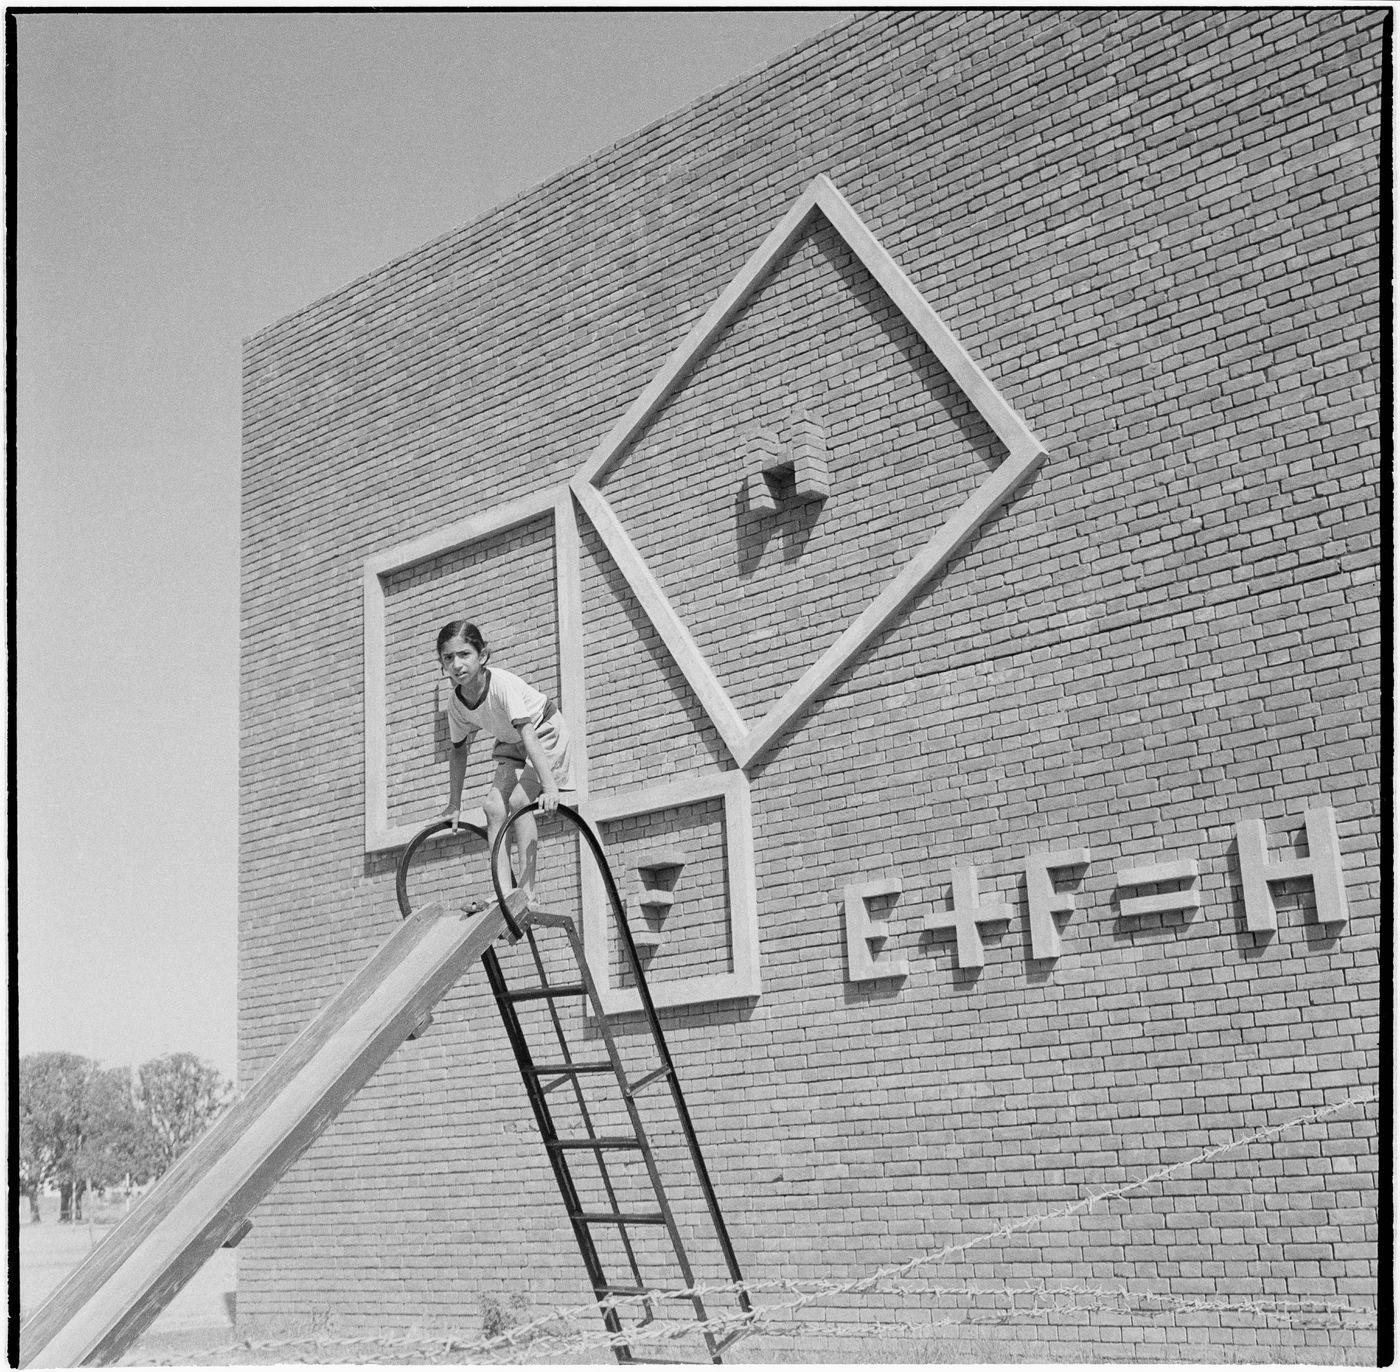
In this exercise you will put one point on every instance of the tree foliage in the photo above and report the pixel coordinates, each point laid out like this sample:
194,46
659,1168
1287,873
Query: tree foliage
52,1087
179,1097
116,1143
81,1125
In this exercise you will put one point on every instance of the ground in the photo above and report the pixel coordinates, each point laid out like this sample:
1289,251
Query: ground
197,1328
48,1251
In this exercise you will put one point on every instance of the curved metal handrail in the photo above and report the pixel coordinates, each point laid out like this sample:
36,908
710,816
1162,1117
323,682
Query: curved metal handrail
414,844
600,858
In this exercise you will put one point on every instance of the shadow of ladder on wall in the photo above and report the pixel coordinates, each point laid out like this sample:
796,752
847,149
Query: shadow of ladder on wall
563,1071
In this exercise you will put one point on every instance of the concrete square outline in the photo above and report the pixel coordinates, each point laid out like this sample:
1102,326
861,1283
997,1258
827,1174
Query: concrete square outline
744,980
555,501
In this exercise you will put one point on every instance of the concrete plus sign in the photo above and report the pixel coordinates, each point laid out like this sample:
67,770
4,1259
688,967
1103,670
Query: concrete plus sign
969,911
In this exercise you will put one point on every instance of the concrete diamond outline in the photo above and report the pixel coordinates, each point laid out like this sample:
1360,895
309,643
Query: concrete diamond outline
749,743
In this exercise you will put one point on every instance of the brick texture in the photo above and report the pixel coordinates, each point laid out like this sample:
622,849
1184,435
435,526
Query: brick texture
1159,235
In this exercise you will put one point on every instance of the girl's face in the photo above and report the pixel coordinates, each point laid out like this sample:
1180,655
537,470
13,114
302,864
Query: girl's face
461,662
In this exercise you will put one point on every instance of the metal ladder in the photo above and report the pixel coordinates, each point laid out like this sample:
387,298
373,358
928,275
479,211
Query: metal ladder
561,1070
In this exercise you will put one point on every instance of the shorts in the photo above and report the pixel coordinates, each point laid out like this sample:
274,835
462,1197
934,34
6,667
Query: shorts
557,742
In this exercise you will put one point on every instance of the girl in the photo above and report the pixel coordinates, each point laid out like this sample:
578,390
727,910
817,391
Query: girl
533,752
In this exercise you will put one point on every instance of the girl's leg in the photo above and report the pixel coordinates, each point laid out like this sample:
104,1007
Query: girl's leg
509,791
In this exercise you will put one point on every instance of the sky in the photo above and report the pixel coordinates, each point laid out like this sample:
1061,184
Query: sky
181,181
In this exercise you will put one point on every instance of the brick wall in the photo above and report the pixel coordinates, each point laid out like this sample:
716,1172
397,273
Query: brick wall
1158,233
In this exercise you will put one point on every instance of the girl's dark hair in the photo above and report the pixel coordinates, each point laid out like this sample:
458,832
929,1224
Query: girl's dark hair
466,631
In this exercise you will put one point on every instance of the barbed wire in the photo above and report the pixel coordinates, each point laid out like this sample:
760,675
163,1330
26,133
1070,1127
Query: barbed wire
520,1344
542,1334
670,1331
806,1293
524,1344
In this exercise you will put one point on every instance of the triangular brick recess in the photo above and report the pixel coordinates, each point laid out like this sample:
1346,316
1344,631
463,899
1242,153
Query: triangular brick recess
656,707
748,743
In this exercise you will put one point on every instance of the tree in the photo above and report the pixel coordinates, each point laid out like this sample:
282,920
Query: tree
81,1126
47,1105
52,1091
179,1097
29,1169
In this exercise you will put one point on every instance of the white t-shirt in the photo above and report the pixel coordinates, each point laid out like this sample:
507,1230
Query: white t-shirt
508,704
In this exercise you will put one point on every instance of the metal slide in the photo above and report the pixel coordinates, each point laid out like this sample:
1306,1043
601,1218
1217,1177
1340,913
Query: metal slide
203,1202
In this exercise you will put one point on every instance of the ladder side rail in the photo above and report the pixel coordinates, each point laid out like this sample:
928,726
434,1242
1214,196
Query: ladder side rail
563,1177
657,1184
614,1056
524,1061
581,1101
654,1022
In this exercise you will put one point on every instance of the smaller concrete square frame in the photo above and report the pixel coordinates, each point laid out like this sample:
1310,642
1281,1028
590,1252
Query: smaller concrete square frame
742,979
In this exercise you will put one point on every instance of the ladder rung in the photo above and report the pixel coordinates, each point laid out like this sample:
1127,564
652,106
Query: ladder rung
601,1142
637,1087
619,1217
572,1069
648,1293
548,992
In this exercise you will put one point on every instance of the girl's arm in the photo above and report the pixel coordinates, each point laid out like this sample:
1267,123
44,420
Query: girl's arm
534,750
456,773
